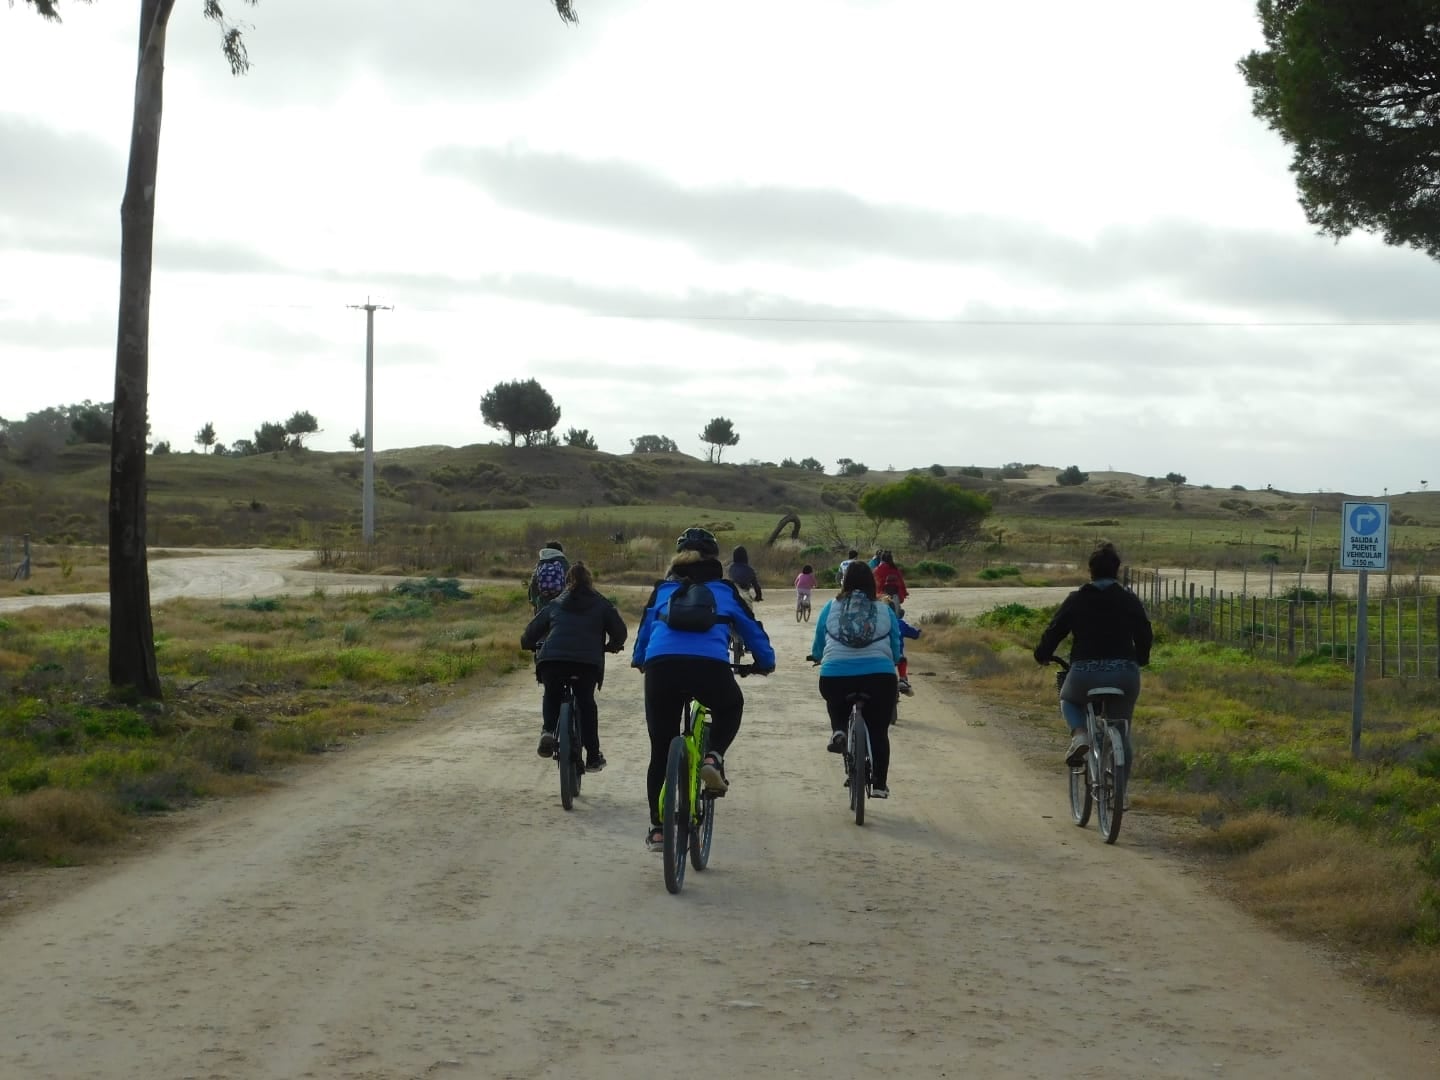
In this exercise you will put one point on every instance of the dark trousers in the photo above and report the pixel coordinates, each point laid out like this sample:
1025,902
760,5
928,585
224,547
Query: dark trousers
553,674
877,712
669,684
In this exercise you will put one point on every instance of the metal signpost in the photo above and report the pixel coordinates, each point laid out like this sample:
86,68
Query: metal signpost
1364,546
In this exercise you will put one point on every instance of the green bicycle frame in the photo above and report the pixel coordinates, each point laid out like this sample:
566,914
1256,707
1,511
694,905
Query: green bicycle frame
694,751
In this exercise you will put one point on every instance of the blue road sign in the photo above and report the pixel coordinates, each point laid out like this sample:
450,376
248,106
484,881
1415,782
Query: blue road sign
1365,536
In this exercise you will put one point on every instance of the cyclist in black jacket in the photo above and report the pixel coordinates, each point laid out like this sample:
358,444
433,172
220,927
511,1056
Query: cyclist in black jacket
1112,639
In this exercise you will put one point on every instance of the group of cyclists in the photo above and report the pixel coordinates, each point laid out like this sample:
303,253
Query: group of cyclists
858,644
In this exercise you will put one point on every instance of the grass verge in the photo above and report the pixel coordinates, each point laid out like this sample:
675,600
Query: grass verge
249,687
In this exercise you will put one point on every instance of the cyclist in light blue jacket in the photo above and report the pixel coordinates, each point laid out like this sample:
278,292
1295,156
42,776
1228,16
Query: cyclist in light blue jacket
857,641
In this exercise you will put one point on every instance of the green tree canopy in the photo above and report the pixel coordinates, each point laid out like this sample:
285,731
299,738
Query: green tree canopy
653,444
1354,87
298,426
270,437
580,437
936,514
719,433
357,440
812,464
851,467
1071,477
522,408
205,437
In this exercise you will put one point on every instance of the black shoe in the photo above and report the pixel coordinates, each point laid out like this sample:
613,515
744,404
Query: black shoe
712,773
594,762
655,839
547,744
837,742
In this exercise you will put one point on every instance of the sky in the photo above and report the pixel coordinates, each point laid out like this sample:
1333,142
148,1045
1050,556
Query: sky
902,232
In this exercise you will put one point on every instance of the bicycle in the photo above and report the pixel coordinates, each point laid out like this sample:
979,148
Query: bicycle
802,607
858,755
687,807
568,744
1099,779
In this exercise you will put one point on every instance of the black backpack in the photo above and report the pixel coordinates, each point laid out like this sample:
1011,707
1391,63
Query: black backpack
691,607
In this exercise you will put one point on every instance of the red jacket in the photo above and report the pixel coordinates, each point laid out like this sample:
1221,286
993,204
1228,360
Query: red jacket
889,574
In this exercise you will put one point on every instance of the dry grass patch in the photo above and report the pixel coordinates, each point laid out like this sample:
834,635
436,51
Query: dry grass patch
57,828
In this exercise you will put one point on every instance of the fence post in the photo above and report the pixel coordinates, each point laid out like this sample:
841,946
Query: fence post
1190,610
1437,637
1381,605
1255,618
24,572
1330,581
1214,616
1291,606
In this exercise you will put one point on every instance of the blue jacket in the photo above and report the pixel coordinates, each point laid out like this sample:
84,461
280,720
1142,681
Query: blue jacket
654,640
877,658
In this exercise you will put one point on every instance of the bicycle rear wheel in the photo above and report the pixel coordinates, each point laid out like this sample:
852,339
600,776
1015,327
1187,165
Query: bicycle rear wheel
702,828
675,813
565,754
1080,801
859,755
1110,796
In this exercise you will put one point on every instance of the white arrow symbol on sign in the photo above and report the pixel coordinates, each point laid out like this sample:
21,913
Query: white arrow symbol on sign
1363,519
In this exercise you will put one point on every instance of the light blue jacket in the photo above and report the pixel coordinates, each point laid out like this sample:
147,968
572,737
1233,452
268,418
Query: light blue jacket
837,658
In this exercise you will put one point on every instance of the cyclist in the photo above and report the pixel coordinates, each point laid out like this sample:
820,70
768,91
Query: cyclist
547,580
571,636
850,557
857,640
743,574
681,664
1112,639
804,585
888,578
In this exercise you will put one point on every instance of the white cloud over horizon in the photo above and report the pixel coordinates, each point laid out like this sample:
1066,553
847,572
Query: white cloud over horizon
899,232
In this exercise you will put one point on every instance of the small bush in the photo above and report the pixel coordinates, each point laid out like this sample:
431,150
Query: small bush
995,573
972,471
937,470
264,603
1071,477
931,568
1009,615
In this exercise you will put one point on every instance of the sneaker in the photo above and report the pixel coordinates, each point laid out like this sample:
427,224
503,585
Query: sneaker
712,772
547,744
655,838
903,685
594,762
879,792
837,742
1079,747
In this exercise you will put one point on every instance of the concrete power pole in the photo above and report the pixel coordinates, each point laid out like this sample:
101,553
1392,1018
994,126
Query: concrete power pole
368,512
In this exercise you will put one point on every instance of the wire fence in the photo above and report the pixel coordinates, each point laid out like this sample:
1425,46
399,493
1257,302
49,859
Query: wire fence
1301,625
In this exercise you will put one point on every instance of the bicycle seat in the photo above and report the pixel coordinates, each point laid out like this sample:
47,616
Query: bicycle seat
1106,691
851,699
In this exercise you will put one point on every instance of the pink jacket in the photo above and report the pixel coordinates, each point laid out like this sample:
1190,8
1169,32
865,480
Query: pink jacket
804,582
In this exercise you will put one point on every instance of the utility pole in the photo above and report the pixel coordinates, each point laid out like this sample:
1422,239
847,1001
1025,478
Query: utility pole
368,512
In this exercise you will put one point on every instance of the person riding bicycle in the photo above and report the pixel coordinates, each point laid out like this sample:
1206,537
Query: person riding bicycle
1112,639
743,574
902,666
684,664
804,585
547,580
857,641
571,636
888,578
850,557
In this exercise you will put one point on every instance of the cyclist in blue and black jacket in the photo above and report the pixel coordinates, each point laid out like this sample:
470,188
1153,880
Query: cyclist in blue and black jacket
681,665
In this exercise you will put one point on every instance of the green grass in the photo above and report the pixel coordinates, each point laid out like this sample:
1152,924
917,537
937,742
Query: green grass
247,687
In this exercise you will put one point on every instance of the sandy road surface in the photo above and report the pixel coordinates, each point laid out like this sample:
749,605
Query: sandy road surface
421,906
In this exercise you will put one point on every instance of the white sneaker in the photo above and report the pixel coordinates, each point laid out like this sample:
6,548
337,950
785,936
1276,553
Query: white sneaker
1079,747
903,685
879,792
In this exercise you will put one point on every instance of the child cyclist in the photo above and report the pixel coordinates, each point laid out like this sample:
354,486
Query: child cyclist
804,586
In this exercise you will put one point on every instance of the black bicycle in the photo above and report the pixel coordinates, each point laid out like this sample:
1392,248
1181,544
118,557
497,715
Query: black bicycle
1098,779
568,744
859,759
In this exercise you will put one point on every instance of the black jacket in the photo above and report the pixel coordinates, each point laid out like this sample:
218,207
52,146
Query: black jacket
1108,622
579,627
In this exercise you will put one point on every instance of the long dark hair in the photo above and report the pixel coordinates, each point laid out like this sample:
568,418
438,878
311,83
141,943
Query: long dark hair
578,579
1104,562
858,578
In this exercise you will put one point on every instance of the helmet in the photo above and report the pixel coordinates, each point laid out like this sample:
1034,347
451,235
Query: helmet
701,540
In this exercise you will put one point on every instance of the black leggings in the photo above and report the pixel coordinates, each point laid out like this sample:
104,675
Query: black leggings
553,674
669,684
877,712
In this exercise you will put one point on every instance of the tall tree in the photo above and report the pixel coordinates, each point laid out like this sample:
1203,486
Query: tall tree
1354,87
521,408
654,444
205,437
132,633
719,433
580,437
299,425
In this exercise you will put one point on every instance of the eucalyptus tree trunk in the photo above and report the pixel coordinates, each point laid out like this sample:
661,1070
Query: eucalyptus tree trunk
132,634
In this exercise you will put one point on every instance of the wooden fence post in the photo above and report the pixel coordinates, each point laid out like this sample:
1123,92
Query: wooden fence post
1291,606
1381,605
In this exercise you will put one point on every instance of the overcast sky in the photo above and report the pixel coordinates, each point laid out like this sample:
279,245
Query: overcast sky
899,231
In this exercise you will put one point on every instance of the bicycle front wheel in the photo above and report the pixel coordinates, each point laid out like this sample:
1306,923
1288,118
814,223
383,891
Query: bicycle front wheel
675,813
565,753
1110,796
1080,801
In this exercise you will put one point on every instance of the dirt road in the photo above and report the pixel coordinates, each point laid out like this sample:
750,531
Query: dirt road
421,906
